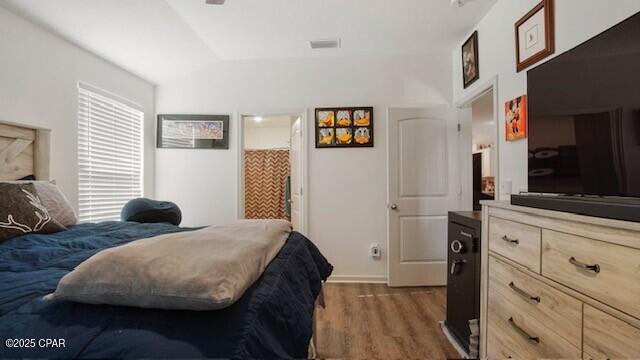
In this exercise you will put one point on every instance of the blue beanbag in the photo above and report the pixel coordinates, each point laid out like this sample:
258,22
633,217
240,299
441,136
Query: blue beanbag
145,210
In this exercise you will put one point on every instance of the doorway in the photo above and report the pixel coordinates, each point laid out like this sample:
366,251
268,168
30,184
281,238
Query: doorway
483,149
479,146
423,180
271,163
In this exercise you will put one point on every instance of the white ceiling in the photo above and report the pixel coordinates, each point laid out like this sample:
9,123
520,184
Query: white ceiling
164,39
247,29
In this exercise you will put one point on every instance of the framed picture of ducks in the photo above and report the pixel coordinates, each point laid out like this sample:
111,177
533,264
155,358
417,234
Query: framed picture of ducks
344,127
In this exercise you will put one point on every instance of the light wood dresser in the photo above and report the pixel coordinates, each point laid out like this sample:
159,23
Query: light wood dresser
558,285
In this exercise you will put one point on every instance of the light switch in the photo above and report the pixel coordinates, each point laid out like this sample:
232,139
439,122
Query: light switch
506,187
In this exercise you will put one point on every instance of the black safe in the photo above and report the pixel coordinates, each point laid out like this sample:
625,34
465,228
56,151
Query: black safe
463,279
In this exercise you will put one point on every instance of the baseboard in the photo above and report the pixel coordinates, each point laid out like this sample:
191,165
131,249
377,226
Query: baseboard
357,279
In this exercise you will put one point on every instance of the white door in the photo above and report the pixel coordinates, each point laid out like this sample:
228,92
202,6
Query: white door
295,157
423,187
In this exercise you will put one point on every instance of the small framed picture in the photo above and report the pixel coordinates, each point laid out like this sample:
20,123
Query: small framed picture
326,118
193,131
470,64
535,35
344,127
362,117
344,118
344,136
326,137
515,121
362,136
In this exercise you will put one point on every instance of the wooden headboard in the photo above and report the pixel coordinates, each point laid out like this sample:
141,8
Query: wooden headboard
24,151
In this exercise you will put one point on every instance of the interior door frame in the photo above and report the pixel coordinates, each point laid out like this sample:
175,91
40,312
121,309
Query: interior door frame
464,107
304,168
465,104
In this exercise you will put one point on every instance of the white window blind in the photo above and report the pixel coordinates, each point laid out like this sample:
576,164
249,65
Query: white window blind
109,154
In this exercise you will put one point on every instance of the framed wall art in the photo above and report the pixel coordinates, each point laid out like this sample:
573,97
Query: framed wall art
344,127
515,121
535,35
470,63
193,131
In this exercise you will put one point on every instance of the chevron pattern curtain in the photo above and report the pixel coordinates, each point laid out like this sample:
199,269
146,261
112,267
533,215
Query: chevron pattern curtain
265,177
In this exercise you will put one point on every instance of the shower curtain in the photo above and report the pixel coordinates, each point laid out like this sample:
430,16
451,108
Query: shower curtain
265,178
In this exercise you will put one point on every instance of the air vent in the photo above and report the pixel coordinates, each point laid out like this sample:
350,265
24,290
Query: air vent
215,2
459,3
325,44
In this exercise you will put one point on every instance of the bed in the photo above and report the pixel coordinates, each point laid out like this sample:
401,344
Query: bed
273,319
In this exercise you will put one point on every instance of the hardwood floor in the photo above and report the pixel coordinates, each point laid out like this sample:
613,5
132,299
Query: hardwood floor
375,321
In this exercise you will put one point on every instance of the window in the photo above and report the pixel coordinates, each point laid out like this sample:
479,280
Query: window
109,154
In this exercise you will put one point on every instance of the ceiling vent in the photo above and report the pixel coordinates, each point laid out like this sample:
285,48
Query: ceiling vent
215,2
325,44
459,3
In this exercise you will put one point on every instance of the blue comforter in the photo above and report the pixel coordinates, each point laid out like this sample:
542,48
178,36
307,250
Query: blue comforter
273,319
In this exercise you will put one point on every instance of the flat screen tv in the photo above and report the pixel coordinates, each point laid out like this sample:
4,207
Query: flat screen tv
584,117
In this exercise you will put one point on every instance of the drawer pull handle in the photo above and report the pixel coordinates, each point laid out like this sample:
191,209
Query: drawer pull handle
535,339
509,240
524,294
595,268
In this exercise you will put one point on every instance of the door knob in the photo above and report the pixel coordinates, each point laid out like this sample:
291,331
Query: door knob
393,207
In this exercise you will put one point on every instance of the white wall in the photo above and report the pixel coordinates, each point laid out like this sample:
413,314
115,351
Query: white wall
39,75
347,194
482,121
484,132
575,22
276,135
267,138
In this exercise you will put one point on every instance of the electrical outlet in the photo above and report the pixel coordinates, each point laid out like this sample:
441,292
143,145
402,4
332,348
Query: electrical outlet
374,251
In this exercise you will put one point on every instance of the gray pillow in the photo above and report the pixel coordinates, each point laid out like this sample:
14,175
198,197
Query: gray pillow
56,203
206,269
22,212
54,200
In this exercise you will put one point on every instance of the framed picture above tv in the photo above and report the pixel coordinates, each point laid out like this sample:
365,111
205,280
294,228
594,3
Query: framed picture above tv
344,127
535,35
193,131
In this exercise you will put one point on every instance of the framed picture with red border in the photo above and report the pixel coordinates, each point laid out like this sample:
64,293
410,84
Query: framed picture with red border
515,118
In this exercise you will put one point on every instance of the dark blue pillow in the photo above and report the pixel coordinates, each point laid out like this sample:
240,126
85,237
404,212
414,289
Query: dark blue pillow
145,210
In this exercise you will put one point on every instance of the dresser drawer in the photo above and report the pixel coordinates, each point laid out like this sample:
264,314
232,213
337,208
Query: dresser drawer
560,313
606,337
512,334
607,272
516,241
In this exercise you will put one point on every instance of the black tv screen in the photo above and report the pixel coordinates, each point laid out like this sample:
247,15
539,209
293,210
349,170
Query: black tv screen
584,117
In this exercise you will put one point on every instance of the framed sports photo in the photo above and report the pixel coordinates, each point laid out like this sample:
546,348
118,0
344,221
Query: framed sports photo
193,131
